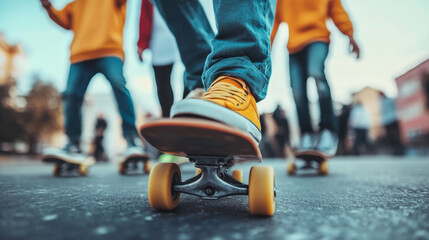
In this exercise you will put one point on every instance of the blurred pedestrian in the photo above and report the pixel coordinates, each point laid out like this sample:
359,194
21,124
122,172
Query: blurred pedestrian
97,47
234,65
308,49
389,120
268,144
360,122
343,129
282,136
155,36
100,127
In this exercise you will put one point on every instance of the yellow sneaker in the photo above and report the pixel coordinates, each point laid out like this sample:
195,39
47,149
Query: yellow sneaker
228,100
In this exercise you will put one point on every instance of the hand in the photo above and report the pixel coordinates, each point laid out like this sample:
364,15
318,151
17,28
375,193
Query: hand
45,3
140,53
354,47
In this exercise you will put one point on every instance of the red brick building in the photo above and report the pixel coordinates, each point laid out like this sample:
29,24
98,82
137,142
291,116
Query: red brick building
413,105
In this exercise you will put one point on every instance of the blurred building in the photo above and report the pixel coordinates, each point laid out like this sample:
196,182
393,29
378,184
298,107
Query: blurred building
413,105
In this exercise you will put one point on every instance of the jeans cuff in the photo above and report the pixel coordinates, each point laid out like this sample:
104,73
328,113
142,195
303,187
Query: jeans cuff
240,67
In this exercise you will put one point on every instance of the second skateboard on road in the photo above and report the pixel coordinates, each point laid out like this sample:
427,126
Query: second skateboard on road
312,160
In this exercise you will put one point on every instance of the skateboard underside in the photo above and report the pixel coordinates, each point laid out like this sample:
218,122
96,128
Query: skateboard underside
312,160
130,164
191,137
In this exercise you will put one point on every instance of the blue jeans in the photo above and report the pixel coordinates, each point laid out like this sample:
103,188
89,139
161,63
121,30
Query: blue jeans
79,77
310,62
241,48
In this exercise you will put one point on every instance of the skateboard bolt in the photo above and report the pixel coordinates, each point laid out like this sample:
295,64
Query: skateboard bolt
209,191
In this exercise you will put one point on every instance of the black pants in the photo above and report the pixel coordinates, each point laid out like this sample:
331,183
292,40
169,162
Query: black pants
99,149
361,140
393,137
163,85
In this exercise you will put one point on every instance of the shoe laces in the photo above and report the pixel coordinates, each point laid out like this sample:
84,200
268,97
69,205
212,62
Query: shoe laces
227,91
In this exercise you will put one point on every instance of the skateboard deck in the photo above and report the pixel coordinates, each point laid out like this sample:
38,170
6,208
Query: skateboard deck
312,160
67,166
213,147
130,163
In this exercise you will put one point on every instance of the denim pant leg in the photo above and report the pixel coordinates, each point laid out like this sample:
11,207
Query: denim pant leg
316,55
188,22
298,81
112,69
241,48
79,76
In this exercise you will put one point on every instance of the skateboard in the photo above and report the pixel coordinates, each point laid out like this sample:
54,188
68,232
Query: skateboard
312,160
64,165
214,148
130,163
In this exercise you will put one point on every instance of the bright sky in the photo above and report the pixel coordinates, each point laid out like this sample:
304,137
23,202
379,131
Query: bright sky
393,35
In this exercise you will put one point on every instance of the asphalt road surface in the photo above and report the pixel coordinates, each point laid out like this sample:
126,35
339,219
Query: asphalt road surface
362,198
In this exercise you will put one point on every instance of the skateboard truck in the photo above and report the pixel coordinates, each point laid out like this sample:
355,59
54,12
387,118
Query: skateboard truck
213,182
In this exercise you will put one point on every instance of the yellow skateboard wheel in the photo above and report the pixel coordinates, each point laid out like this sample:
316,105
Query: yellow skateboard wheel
261,191
291,169
161,180
238,175
57,170
147,166
83,170
122,169
197,171
323,168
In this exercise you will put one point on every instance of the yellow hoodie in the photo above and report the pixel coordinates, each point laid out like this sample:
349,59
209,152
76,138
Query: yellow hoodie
307,21
97,25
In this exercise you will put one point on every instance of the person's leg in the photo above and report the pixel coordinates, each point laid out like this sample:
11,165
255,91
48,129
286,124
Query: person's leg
112,69
241,48
316,56
393,129
298,81
357,141
79,76
98,148
238,68
191,28
328,136
163,85
366,142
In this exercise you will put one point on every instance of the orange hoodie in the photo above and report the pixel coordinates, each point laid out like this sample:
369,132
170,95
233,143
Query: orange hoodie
307,21
98,27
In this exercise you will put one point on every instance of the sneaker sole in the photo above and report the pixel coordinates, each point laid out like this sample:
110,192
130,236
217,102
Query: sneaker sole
210,110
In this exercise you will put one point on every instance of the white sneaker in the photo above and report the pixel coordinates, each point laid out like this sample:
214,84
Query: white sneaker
133,150
307,142
134,147
328,142
70,153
